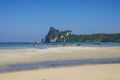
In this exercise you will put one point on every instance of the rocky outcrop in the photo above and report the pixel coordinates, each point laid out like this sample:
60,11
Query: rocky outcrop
52,35
55,35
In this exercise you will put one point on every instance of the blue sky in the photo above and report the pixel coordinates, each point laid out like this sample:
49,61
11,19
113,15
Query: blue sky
30,20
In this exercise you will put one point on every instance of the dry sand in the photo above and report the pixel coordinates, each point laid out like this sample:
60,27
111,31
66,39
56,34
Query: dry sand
86,72
60,53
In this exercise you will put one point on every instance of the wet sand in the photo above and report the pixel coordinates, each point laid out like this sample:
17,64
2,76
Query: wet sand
86,72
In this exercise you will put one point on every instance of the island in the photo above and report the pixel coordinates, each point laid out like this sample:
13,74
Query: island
55,35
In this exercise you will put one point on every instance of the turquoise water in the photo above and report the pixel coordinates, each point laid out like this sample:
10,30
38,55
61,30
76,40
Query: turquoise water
20,45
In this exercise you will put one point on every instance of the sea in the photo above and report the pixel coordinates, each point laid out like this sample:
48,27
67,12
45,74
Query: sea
24,45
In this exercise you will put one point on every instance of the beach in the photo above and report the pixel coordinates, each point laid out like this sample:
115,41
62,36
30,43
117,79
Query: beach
20,56
77,72
86,72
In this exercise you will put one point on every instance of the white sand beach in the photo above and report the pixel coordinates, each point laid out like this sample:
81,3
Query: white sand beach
20,56
86,72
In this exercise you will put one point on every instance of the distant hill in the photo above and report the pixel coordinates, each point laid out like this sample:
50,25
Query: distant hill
54,35
95,38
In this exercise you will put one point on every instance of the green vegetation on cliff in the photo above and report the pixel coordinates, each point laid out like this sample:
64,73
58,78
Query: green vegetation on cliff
95,38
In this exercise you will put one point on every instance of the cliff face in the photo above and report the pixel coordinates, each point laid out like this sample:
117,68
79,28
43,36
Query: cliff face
55,35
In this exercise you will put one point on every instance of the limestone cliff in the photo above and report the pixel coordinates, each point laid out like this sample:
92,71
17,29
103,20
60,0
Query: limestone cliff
55,35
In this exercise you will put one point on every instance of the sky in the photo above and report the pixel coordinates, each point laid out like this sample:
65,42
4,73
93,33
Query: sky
30,20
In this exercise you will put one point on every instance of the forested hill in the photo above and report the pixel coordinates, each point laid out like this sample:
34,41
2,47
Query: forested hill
95,38
54,35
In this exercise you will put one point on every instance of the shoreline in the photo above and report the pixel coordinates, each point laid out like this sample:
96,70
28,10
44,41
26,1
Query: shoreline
78,72
57,46
35,57
21,45
32,55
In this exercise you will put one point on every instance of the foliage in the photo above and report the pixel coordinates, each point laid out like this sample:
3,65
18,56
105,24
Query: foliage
95,38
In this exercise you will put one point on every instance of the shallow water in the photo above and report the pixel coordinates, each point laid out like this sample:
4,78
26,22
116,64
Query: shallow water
23,45
51,64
